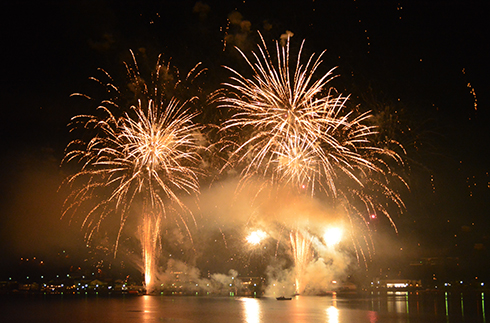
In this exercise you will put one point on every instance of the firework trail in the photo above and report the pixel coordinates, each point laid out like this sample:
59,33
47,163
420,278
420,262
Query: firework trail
149,233
302,254
289,128
136,154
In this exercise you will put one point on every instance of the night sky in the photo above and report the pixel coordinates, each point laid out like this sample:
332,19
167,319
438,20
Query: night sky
426,61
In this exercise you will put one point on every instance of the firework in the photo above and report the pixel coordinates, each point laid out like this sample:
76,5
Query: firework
256,237
137,154
149,233
299,133
302,255
332,237
292,129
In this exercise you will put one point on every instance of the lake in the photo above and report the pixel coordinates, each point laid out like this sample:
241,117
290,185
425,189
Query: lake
396,307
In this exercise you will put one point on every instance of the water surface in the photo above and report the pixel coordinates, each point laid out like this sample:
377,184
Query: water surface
400,307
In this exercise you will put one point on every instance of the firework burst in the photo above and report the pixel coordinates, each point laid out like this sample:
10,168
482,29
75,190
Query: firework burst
256,237
293,130
300,134
137,154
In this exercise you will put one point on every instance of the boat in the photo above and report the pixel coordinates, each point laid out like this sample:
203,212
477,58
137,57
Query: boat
282,298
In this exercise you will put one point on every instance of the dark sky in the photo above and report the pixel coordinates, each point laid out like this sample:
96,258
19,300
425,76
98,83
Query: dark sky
421,58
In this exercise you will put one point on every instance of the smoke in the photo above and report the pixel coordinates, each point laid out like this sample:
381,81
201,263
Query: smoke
280,279
226,213
327,272
238,31
324,273
182,278
202,9
30,206
285,37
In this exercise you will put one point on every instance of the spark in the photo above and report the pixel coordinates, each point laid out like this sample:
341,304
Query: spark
472,91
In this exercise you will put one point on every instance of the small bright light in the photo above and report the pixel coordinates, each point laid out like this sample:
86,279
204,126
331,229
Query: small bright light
256,236
396,285
332,236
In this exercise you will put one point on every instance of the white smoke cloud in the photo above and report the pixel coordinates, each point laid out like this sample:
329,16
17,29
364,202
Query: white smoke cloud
180,277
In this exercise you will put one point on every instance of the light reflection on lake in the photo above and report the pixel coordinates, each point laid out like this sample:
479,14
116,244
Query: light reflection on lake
396,307
251,309
332,314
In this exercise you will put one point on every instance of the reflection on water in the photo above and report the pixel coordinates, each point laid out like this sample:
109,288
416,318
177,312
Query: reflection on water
332,314
483,306
251,309
146,308
372,317
398,307
443,307
398,303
